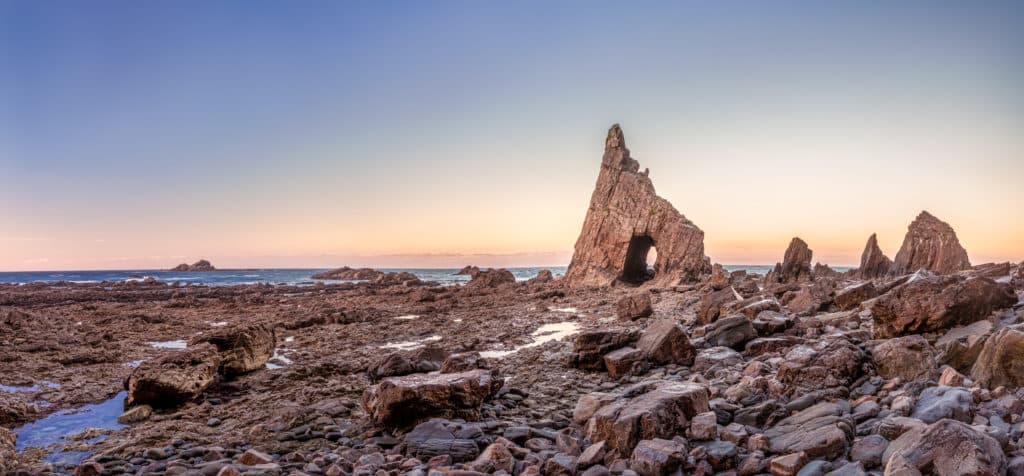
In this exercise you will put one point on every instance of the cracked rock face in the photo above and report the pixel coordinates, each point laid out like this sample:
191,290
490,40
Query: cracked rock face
625,220
873,263
931,244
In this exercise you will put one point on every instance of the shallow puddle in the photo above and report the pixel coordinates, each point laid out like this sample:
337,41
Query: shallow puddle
543,335
52,430
168,344
412,344
570,310
407,317
29,389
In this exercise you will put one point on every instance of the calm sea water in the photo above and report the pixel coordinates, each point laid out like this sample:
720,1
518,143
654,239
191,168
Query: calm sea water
273,276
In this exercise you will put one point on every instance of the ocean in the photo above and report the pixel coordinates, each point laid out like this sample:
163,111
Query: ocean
228,277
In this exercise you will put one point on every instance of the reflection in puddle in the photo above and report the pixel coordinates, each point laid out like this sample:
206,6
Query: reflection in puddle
412,344
169,344
218,324
134,363
407,317
29,389
546,333
278,361
570,310
53,429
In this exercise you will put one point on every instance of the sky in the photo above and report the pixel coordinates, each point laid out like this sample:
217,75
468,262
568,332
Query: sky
138,135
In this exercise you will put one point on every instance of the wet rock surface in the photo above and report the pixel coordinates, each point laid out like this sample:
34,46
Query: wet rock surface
930,244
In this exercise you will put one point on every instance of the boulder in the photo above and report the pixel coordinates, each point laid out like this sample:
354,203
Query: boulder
468,270
795,265
1001,361
936,403
495,457
810,298
401,402
437,437
491,278
930,303
830,362
665,342
392,278
733,332
854,294
873,263
824,430
945,448
175,379
634,306
960,346
719,277
657,457
931,244
711,304
590,347
869,450
624,361
242,348
543,276
462,362
716,357
625,219
993,270
659,409
908,358
7,439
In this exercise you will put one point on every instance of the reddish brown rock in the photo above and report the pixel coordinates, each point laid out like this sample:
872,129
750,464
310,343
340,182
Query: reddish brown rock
468,271
825,271
543,276
909,358
491,278
626,218
347,273
873,263
242,348
719,277
854,294
823,364
711,304
173,380
647,411
393,278
201,265
624,361
931,303
945,448
931,244
404,401
665,342
795,265
634,306
1001,361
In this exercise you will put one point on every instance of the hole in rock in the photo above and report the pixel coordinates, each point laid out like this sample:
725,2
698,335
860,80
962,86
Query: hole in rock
635,270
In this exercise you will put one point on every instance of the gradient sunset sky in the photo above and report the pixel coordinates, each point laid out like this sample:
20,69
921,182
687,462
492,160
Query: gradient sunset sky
320,134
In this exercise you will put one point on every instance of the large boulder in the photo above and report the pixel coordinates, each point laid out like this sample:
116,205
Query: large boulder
873,263
936,403
908,358
944,448
647,411
401,402
242,348
931,244
930,303
437,437
590,347
1001,361
175,379
830,362
424,359
634,306
960,346
824,430
711,304
491,278
625,219
854,294
732,331
665,342
795,265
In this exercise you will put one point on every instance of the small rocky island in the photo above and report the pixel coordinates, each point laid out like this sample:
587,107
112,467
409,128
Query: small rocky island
201,265
904,366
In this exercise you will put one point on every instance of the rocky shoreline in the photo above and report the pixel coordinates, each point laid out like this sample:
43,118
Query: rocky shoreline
899,367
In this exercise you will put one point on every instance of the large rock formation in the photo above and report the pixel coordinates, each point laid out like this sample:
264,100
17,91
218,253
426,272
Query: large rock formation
175,379
491,278
404,401
795,265
931,244
932,303
1000,361
625,219
873,263
201,265
242,348
346,273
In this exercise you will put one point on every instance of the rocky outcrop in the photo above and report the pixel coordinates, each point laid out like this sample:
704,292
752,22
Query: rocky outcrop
931,244
647,411
201,265
428,358
242,348
931,303
625,219
491,278
1001,361
175,379
827,363
795,265
469,270
665,342
401,402
392,278
351,274
873,263
543,276
590,347
945,448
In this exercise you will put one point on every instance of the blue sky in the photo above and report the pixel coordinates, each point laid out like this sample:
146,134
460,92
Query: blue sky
294,133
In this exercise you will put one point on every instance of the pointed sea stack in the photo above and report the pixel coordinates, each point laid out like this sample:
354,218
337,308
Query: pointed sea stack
873,263
931,244
795,265
625,220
